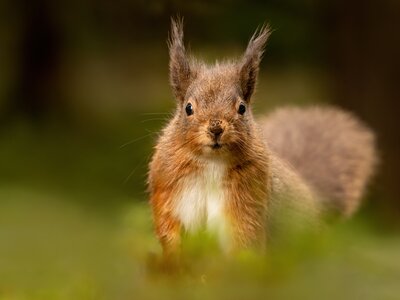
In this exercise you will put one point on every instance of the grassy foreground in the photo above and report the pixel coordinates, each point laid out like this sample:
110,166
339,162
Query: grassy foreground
51,248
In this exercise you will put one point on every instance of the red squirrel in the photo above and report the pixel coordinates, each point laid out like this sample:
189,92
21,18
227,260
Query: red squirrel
216,169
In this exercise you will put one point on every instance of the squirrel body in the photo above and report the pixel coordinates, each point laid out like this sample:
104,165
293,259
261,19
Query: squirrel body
216,168
191,193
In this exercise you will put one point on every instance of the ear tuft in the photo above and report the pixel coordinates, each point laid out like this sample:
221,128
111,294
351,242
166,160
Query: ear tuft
179,65
249,65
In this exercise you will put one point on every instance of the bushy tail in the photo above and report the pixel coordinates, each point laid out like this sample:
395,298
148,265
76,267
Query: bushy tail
329,148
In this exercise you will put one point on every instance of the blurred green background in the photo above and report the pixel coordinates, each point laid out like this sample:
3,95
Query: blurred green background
84,91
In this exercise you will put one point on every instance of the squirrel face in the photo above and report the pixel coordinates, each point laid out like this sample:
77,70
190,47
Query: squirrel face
213,115
213,102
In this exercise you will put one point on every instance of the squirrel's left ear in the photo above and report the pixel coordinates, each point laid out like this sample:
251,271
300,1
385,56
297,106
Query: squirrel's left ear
249,64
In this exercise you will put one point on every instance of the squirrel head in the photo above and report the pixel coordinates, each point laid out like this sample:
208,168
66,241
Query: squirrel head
213,102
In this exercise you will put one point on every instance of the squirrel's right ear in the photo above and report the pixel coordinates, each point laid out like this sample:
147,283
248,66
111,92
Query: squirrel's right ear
180,73
249,64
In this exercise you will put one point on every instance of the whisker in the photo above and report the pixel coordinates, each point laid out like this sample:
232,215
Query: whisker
147,114
134,170
136,140
190,140
130,175
153,119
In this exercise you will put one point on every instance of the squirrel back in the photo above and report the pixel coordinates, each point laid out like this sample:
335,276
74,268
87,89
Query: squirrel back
330,149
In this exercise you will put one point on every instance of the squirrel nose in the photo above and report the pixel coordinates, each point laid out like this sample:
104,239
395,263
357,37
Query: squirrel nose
215,128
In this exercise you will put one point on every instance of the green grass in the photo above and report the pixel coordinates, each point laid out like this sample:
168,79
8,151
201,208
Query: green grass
53,248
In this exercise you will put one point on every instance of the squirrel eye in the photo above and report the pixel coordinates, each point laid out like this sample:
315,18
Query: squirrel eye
189,109
242,109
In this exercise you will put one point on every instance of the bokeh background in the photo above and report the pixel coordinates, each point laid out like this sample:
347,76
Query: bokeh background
84,91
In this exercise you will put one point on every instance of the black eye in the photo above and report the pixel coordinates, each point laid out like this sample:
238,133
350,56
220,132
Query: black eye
189,109
242,109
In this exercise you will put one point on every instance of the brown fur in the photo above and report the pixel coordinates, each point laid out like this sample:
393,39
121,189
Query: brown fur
330,148
259,183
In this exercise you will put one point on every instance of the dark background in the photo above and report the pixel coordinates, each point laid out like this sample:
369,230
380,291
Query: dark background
84,91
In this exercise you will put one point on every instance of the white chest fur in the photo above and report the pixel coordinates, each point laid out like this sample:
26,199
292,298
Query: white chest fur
201,201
